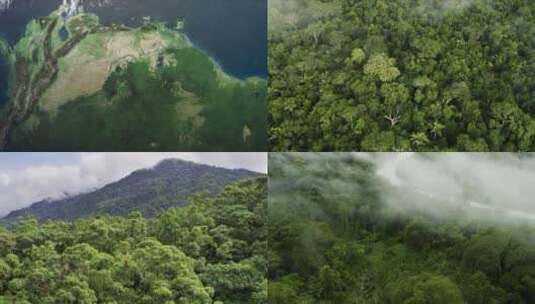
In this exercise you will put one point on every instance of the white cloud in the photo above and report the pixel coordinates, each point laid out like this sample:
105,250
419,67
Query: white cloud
23,186
499,182
4,180
496,188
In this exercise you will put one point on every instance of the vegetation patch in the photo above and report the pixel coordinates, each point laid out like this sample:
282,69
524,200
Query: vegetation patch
370,75
211,251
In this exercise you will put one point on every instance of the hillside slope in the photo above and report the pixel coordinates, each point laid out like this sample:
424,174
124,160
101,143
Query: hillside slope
211,251
168,184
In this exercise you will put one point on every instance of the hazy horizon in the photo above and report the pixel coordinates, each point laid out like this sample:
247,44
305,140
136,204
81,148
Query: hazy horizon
496,188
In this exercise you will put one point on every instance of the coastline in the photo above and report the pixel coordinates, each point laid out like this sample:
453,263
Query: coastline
38,60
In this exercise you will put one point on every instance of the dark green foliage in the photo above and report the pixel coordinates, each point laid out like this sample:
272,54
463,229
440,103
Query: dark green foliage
332,239
137,111
231,111
195,70
136,260
169,184
422,75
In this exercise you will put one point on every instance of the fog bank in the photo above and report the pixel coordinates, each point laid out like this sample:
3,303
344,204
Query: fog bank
496,188
489,182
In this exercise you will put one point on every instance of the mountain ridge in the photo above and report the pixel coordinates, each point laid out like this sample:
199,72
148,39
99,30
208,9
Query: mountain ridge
170,183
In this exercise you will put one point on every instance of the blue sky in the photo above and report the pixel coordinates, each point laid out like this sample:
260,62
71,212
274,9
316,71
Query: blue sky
19,160
10,161
29,177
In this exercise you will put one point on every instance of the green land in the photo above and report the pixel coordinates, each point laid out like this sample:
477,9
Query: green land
117,88
211,251
419,75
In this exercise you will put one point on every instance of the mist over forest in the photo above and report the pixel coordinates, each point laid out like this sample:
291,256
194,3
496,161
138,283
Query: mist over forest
489,186
401,228
423,182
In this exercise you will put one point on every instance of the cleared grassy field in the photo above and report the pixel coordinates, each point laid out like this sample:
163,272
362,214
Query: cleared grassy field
85,69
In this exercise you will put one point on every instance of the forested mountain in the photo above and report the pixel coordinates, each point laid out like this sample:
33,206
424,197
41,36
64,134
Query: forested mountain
211,251
335,238
394,75
169,184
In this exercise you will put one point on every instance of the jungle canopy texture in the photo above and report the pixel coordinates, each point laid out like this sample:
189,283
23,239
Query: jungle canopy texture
211,251
376,75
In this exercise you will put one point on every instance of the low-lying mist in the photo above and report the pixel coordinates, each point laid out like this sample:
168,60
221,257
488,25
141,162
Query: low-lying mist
441,7
291,14
493,187
288,14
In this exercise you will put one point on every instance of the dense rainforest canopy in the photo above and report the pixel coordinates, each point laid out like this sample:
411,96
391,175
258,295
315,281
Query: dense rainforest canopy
211,251
377,75
333,238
